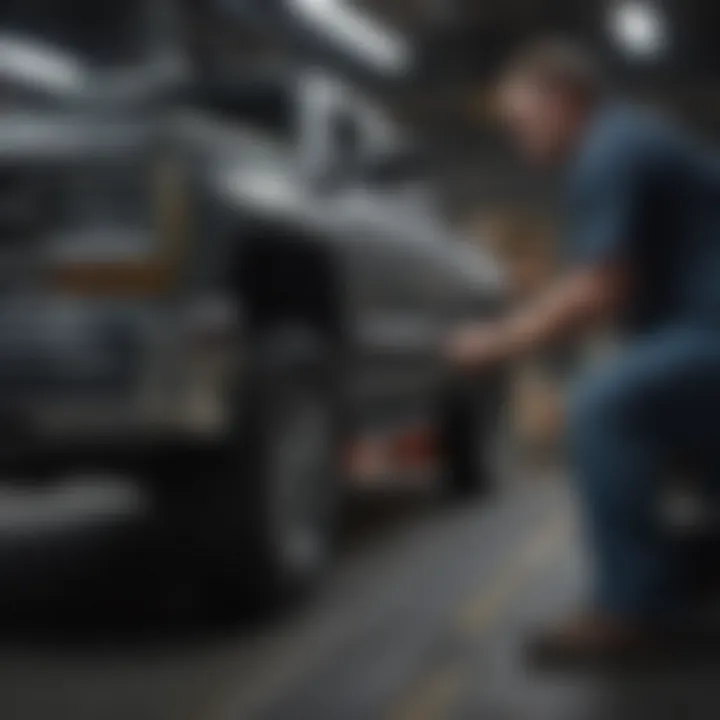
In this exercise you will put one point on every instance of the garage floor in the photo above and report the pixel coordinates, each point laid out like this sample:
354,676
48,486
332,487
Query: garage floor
422,620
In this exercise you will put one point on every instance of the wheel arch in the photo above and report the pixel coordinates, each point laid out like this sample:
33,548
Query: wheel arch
288,275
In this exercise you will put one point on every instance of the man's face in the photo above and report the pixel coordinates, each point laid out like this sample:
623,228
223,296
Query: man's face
540,120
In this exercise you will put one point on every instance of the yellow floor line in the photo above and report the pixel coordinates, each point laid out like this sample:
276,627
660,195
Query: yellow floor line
477,616
434,696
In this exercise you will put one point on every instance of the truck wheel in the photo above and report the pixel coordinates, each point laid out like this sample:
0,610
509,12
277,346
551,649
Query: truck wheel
278,497
470,441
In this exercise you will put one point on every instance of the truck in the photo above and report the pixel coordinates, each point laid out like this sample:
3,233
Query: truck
213,283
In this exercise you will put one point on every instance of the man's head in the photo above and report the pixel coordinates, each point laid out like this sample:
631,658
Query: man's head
546,96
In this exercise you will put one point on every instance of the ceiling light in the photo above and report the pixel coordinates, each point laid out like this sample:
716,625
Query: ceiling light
359,33
639,28
40,65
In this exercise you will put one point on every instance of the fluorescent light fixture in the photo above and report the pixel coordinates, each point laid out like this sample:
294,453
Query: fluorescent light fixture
40,65
365,37
639,27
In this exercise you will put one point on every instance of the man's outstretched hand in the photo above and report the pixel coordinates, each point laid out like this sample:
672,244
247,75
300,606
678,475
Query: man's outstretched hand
571,306
475,348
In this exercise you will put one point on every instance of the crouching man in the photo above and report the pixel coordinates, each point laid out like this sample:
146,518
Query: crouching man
642,226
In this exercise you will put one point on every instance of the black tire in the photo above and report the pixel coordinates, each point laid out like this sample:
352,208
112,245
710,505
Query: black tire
273,514
470,434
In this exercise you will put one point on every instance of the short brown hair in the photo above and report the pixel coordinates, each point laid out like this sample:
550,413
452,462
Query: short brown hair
558,64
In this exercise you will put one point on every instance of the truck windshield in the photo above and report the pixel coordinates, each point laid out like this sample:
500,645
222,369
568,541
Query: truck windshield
105,34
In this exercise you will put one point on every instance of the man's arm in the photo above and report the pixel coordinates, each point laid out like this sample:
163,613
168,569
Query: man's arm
582,299
607,212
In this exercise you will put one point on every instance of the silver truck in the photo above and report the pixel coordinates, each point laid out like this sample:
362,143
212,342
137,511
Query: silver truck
204,283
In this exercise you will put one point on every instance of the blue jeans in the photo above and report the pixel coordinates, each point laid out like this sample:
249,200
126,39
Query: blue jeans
657,402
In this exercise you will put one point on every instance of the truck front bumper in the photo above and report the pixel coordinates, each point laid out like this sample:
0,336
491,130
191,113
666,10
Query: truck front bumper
29,448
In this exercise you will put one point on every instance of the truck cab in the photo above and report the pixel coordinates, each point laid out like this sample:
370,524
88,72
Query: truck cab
205,265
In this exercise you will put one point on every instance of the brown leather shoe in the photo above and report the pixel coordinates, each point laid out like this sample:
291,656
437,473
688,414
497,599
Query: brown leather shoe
593,640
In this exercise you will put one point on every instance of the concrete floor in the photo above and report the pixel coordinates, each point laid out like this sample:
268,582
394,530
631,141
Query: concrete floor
423,619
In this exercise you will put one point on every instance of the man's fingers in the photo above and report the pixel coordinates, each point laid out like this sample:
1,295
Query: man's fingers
466,347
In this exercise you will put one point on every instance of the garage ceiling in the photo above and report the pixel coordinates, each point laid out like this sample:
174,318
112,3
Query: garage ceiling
460,43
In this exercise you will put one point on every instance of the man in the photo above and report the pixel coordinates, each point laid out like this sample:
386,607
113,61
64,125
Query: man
642,206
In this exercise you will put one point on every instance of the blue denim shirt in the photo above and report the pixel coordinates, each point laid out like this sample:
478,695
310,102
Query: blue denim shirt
643,191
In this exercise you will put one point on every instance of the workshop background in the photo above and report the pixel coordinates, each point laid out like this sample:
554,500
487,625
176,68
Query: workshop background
423,613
